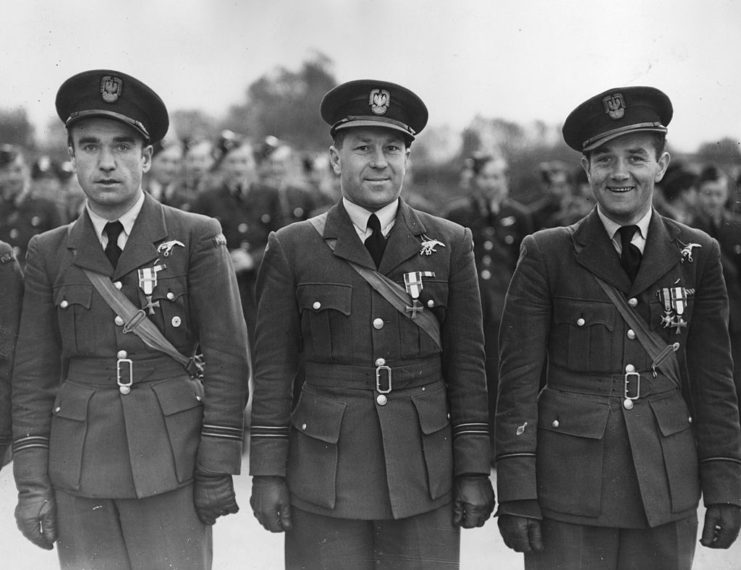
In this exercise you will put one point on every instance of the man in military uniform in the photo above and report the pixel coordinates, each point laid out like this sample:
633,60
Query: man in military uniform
163,179
123,452
627,311
22,214
386,453
11,285
498,224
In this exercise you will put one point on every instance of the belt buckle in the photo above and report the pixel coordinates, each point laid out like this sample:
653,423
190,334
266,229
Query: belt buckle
637,377
124,382
379,370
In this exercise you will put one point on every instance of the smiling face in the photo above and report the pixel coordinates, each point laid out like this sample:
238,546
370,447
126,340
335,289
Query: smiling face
622,173
371,163
109,158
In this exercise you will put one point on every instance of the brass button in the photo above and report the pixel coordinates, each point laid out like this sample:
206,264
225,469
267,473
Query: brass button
430,303
633,302
488,245
689,419
628,404
303,427
122,354
118,284
57,409
555,423
580,322
242,228
486,274
118,320
380,362
64,304
630,368
381,399
170,296
631,334
176,321
378,324
316,305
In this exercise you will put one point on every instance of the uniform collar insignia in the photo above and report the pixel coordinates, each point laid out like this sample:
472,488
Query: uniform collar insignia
429,245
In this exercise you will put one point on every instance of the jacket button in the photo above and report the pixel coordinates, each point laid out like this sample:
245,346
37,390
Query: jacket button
242,228
486,274
316,305
633,302
381,399
122,354
303,427
631,334
689,419
176,321
118,285
431,303
118,320
380,362
378,324
555,423
580,322
170,296
630,368
64,304
628,404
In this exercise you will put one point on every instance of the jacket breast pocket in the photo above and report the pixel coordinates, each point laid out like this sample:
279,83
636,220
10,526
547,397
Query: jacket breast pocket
437,445
679,450
583,335
73,304
571,431
325,317
171,306
68,433
183,414
313,459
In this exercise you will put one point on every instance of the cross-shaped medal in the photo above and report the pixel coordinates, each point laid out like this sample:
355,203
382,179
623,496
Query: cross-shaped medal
415,308
150,306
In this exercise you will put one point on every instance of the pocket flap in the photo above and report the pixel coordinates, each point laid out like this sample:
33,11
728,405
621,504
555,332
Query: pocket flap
432,409
175,396
322,296
572,414
169,289
583,313
318,417
77,294
672,414
71,402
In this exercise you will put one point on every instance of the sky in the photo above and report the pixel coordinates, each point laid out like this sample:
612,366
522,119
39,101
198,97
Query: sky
519,60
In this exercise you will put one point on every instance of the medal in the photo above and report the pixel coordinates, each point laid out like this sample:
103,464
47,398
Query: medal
147,283
413,285
674,301
429,245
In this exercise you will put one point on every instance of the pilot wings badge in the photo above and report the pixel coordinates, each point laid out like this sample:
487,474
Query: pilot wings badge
686,252
429,245
165,248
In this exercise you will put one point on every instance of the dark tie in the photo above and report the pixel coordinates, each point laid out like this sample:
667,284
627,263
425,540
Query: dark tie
375,243
630,258
112,251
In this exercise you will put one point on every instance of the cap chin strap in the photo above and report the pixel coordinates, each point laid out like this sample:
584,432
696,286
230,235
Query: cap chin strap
594,142
138,125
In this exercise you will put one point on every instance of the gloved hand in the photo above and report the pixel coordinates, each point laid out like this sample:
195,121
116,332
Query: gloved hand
271,503
521,534
213,496
36,512
722,523
473,500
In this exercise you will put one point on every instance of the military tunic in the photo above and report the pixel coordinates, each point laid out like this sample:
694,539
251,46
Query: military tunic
11,288
21,220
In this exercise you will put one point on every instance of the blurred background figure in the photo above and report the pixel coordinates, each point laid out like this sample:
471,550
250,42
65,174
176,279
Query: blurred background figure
715,217
248,212
198,161
277,169
322,182
677,195
22,215
163,181
498,224
557,205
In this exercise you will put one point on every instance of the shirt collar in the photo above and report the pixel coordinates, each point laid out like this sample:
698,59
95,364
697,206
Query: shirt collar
359,217
639,239
127,220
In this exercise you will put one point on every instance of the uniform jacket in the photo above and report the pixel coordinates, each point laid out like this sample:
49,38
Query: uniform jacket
11,285
585,458
345,452
20,221
103,443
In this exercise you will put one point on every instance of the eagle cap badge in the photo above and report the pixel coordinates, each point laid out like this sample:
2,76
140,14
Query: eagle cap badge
379,101
614,105
111,88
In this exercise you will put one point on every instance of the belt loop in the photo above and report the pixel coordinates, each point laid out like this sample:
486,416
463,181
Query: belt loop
379,371
124,382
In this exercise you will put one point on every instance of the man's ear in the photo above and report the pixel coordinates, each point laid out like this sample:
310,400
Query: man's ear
147,157
334,160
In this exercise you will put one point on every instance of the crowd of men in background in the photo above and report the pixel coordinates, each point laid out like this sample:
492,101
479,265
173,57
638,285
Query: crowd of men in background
255,187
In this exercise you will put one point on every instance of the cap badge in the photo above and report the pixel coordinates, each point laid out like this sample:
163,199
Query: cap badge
614,105
379,101
110,88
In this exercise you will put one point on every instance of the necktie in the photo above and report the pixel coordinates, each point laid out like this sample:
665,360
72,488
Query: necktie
375,243
112,251
630,258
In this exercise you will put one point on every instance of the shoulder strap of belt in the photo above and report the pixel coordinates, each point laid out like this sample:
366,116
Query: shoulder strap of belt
661,354
388,289
136,321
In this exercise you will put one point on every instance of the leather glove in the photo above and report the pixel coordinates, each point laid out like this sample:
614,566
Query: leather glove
271,503
473,500
722,523
213,496
521,534
36,512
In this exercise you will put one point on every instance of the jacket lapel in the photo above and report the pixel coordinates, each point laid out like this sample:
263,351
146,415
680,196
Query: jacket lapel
660,255
348,246
403,241
149,229
595,252
85,246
